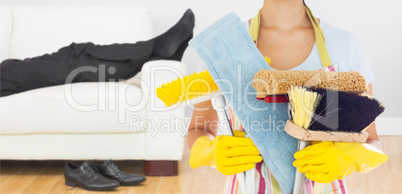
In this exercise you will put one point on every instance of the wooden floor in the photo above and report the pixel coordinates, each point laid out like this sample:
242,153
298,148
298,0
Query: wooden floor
47,177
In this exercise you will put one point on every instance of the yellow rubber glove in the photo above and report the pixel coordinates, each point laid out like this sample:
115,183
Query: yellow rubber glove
229,155
327,161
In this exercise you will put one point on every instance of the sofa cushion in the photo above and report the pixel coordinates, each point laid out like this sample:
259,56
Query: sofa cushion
44,29
74,108
5,30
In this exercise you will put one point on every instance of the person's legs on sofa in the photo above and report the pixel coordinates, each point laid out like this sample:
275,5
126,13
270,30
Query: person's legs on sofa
120,61
64,53
19,76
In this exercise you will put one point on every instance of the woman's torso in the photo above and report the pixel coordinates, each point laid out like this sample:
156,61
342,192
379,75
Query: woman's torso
338,43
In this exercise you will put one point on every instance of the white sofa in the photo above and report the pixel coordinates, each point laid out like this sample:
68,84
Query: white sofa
84,121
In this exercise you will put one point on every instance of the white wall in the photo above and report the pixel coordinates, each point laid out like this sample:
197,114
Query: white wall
378,24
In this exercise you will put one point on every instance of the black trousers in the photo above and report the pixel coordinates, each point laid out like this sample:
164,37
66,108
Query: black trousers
82,62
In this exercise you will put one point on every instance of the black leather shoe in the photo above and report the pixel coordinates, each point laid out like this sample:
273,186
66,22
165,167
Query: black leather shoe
110,170
87,177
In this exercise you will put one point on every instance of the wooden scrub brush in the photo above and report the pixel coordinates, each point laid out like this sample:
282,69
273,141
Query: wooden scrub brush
273,86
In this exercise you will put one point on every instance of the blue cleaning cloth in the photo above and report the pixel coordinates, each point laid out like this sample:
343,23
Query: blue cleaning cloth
232,60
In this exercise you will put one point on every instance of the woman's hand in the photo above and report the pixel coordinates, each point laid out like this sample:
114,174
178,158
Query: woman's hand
327,161
229,155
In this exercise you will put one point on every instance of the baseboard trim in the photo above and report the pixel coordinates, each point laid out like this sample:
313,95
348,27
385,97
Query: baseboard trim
389,126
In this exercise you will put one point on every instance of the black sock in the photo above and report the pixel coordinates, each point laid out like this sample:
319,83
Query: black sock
175,39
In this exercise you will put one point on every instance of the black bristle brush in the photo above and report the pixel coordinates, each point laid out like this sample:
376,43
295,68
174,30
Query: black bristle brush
328,115
343,111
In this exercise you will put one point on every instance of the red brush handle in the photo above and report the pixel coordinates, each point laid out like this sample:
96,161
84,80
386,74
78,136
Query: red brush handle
275,99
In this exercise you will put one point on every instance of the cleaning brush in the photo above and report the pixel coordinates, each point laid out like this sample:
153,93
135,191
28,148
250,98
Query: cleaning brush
197,88
272,82
329,110
328,115
343,111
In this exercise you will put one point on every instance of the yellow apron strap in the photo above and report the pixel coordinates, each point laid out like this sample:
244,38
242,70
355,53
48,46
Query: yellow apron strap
255,26
319,40
319,36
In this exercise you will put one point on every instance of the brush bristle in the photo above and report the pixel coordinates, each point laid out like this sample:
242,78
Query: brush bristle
303,103
186,88
342,111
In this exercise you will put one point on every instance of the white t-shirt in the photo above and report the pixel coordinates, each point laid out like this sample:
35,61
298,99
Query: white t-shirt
345,51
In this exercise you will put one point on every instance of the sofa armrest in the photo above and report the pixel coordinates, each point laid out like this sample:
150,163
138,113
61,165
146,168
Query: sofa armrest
166,126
